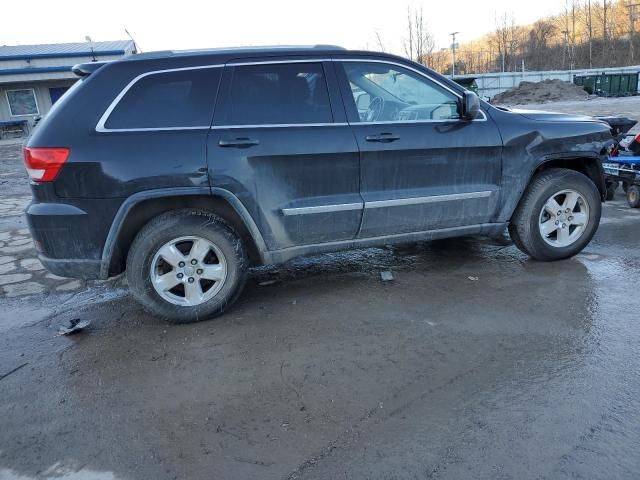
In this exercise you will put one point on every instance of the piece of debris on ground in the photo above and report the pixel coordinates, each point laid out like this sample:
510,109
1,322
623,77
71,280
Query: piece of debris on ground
473,279
540,92
73,326
386,276
5,375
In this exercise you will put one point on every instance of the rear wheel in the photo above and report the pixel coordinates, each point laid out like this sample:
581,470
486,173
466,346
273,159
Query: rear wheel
557,216
187,265
633,196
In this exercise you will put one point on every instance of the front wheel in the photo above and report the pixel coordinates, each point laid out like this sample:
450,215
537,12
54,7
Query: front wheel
557,216
186,266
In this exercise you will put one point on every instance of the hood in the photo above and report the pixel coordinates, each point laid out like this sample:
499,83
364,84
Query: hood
554,117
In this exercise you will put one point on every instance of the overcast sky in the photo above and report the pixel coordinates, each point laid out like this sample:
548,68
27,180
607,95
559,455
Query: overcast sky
184,24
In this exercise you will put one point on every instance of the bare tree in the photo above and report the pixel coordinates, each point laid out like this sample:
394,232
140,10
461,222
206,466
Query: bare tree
586,34
419,44
588,24
506,40
380,42
537,45
605,40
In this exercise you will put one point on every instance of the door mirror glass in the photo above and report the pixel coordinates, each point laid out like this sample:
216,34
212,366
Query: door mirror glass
470,106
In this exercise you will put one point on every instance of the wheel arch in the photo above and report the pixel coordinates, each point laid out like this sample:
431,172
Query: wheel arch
137,210
589,165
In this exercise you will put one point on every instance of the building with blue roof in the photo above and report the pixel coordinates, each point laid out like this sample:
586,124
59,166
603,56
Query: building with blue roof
33,77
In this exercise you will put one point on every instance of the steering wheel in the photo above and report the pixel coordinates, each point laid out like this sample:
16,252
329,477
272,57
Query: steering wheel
376,106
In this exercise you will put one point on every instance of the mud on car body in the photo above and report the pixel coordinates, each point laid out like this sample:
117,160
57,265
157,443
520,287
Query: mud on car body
185,168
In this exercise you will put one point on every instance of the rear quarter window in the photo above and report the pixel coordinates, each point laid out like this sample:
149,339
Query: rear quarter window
168,100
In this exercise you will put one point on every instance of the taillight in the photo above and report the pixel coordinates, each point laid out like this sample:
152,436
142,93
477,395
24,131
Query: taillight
43,164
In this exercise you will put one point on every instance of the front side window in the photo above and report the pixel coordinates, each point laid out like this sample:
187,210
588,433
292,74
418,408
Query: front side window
278,94
388,93
22,102
176,99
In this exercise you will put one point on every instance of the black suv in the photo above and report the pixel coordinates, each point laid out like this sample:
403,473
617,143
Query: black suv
184,168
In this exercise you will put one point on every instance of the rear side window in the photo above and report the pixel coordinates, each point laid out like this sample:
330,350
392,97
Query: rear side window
276,94
168,100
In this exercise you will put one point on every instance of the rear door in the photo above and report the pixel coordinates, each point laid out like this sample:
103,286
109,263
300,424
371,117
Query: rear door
281,144
422,166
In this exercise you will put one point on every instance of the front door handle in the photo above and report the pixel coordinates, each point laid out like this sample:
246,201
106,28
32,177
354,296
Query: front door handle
238,143
382,138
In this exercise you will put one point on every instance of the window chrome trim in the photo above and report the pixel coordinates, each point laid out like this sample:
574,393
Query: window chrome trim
401,202
341,207
277,62
100,127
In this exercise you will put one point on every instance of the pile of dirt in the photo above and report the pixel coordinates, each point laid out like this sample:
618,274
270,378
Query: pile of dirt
540,92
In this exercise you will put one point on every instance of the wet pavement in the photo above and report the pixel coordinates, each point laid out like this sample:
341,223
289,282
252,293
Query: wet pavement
474,362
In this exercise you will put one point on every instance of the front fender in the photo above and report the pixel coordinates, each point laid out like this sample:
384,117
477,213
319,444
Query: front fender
531,145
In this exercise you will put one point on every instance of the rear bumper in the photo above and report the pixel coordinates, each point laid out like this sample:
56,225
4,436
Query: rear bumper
72,267
70,237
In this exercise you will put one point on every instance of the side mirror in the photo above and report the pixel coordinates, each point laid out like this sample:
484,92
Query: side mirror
470,105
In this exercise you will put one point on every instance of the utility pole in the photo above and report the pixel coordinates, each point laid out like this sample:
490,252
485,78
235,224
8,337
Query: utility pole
453,52
631,7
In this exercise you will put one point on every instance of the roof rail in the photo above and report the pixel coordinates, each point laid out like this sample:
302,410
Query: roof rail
329,47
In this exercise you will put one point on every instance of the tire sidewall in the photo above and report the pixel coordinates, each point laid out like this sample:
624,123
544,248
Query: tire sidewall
564,180
633,196
167,228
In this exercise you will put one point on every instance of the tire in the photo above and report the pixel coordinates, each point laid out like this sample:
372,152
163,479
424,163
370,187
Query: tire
167,245
530,218
633,196
611,190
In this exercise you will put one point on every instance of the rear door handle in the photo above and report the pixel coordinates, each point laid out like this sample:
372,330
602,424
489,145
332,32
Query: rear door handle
238,143
382,138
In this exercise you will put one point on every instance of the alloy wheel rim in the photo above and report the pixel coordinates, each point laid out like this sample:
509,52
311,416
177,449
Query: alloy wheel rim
564,218
188,271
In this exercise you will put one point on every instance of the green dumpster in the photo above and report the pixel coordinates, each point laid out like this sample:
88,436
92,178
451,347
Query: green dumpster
609,84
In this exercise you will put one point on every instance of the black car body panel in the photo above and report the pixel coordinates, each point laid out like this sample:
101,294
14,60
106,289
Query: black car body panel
293,189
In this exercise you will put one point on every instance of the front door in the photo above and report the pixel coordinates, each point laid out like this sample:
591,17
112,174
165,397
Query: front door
422,166
281,144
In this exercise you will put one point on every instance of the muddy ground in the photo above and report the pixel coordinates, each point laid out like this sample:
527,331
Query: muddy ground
474,362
